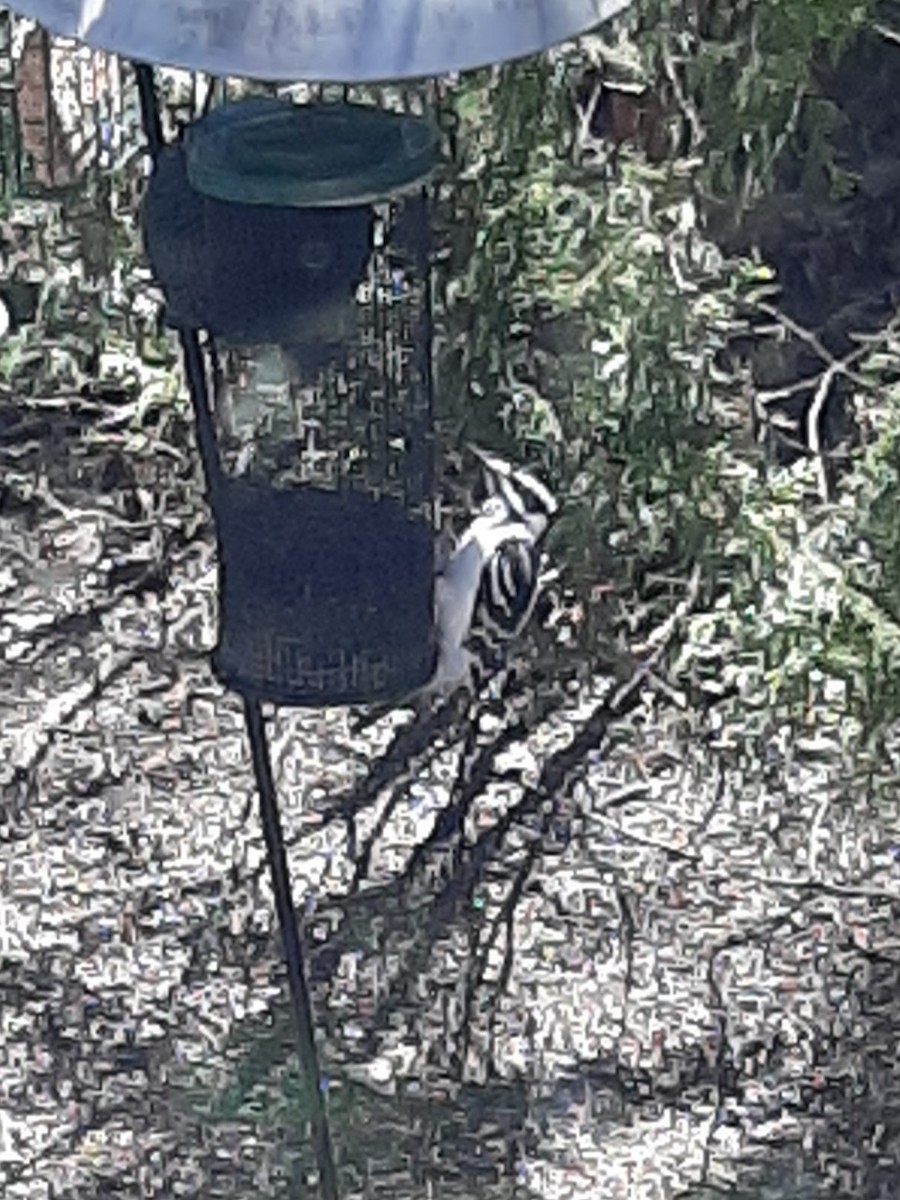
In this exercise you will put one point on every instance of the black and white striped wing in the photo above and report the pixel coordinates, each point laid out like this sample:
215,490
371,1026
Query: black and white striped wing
506,598
508,588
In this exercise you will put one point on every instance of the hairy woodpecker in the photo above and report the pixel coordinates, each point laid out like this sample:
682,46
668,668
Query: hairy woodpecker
486,591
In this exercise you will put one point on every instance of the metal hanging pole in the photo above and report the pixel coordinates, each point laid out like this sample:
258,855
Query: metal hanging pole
256,732
149,110
293,951
190,344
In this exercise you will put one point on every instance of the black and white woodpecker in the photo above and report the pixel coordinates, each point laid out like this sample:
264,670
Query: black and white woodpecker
486,590
487,582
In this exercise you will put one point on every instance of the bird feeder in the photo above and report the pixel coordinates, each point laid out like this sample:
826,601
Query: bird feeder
297,240
297,237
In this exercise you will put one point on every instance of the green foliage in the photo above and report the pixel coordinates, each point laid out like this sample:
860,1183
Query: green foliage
589,316
623,404
749,69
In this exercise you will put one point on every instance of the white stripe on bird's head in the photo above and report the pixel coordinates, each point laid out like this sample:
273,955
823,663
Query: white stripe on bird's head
525,497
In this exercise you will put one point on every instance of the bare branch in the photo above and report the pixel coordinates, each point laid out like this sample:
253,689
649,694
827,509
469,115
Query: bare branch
698,134
890,35
813,434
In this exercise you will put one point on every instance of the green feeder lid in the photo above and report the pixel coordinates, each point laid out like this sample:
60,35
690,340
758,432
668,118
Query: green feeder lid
265,151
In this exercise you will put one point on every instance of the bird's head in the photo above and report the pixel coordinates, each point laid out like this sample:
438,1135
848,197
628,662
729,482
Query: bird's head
524,497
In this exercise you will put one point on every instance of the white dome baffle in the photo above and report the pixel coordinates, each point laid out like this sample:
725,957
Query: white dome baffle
326,40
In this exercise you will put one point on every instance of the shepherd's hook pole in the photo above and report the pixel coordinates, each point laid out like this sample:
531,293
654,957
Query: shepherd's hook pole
256,729
293,952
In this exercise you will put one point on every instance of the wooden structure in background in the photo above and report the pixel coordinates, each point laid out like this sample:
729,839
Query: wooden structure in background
65,110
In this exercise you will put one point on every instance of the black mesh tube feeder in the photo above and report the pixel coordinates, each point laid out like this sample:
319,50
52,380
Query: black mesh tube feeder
291,242
296,237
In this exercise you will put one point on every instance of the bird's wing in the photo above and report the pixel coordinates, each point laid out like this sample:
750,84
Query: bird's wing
508,588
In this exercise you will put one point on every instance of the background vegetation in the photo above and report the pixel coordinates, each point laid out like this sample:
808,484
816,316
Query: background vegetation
595,324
